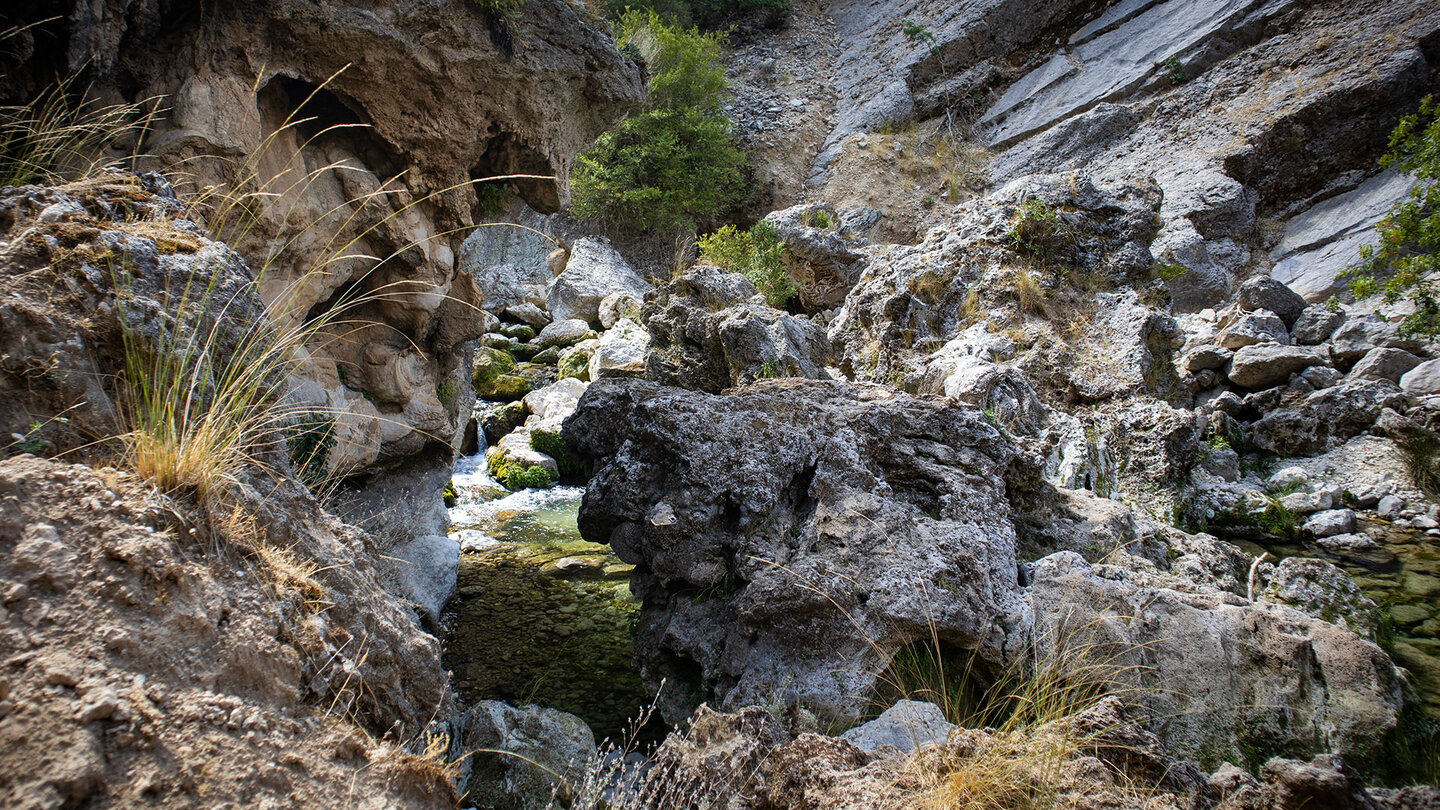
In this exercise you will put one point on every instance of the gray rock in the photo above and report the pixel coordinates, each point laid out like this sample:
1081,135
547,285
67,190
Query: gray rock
1319,244
1357,336
810,492
1112,64
621,352
1384,364
426,569
1423,380
823,261
1326,418
1216,204
528,313
1390,507
595,271
1315,325
1330,522
1209,658
564,333
1260,326
1323,590
1322,376
1347,542
1206,279
1068,145
1205,357
1265,365
520,757
907,725
1263,292
1288,477
695,346
617,306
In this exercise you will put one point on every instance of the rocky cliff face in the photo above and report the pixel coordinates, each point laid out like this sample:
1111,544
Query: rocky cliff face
355,133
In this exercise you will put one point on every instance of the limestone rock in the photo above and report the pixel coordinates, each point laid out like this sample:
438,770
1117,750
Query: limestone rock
907,725
1326,418
1315,325
818,255
1330,522
1260,326
594,272
426,568
553,404
1321,589
617,306
1423,380
521,756
621,352
693,345
1265,365
811,492
498,420
1384,364
1263,292
563,333
1357,336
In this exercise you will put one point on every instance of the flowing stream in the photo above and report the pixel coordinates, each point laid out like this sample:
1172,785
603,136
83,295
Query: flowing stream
540,615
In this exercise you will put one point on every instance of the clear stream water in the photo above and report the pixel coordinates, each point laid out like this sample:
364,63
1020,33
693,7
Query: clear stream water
540,615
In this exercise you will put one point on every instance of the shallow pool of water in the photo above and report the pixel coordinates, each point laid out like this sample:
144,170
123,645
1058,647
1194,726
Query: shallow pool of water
540,615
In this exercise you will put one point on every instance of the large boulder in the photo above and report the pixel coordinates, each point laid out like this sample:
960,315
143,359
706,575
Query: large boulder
1384,364
1237,681
828,526
594,272
1265,365
621,352
520,758
702,338
1423,380
1326,419
1263,292
821,258
426,569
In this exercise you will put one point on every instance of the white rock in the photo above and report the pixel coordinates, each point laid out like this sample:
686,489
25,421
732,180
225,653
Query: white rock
1288,477
621,352
1422,380
908,725
1330,523
595,271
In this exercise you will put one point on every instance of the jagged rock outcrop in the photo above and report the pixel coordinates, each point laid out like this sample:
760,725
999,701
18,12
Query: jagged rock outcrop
314,106
708,332
828,526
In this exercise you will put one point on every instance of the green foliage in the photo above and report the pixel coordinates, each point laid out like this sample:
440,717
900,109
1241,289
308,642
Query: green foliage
507,13
676,165
1420,451
551,444
918,34
1405,263
1276,519
1175,69
1169,271
516,476
449,495
755,254
309,438
490,199
31,441
445,392
1038,230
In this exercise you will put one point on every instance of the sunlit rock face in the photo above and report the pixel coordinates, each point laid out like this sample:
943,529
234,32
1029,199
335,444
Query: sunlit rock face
353,134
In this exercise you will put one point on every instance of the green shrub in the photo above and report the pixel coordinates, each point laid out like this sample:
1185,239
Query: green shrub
1038,231
755,254
676,165
513,475
1406,261
309,439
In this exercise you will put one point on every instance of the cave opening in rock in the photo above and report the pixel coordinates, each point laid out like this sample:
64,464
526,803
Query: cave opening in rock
950,676
507,154
323,116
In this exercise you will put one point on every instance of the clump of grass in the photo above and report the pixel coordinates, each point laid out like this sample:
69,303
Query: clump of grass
1420,451
1038,231
61,135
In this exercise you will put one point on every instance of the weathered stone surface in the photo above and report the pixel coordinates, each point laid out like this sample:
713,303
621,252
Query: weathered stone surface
908,725
1067,146
820,258
1384,364
1322,242
1320,588
1260,326
498,420
619,305
1357,336
1205,357
1114,63
693,345
816,500
1326,418
563,333
595,272
621,352
1265,365
1264,292
425,568
1423,380
1330,522
1231,700
520,758
1316,324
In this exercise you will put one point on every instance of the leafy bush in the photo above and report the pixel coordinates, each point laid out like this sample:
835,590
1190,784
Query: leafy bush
755,254
676,165
1406,261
